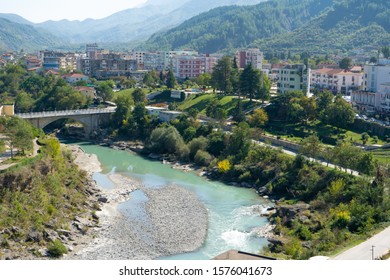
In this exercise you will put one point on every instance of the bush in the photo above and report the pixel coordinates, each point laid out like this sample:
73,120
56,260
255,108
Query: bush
56,249
224,166
197,144
203,158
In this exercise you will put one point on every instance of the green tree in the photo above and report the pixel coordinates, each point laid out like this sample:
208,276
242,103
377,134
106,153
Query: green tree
196,144
171,80
122,113
167,140
139,96
204,80
311,146
386,52
324,100
105,90
141,119
258,118
238,142
345,63
340,113
20,134
221,77
24,102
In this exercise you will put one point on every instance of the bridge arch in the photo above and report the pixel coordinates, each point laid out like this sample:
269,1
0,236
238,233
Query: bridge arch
90,118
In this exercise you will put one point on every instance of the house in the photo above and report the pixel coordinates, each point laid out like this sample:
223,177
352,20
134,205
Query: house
74,78
89,92
32,62
7,110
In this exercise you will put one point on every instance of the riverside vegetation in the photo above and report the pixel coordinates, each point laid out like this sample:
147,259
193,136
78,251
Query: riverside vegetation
319,209
45,203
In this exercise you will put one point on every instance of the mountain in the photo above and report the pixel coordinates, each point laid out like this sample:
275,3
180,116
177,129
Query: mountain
15,18
16,36
135,23
233,27
351,24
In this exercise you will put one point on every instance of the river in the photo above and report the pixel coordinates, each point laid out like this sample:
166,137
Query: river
233,212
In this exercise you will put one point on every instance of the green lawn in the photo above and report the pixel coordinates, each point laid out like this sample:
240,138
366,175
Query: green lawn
200,102
328,134
382,155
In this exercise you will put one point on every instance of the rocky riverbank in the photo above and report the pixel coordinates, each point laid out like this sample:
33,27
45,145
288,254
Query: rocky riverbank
176,221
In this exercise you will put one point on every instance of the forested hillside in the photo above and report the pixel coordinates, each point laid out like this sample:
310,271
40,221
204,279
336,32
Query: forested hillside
15,36
348,25
233,26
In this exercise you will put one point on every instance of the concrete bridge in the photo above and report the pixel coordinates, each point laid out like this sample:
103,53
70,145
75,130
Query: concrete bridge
90,118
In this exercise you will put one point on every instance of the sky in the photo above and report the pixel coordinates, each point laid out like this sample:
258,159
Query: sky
43,10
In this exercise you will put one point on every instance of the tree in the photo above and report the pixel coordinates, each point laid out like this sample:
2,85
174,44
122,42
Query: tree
386,52
139,96
141,119
345,63
222,75
105,90
122,113
252,83
324,100
311,146
24,102
340,113
171,80
20,134
167,140
204,80
239,142
197,144
258,119
238,114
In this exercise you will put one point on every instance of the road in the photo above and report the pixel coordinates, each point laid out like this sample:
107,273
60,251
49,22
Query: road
324,163
363,251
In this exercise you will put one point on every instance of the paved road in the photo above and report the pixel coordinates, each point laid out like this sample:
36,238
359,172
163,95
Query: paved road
324,163
363,251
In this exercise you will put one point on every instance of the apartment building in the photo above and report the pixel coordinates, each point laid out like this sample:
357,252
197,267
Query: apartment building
337,80
250,56
184,66
109,65
293,77
375,75
59,60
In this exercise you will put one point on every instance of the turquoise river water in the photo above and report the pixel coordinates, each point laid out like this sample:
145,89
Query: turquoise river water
233,212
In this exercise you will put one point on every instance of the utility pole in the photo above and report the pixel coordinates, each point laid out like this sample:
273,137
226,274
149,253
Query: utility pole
372,252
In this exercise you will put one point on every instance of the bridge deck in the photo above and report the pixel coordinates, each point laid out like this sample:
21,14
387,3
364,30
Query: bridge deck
66,113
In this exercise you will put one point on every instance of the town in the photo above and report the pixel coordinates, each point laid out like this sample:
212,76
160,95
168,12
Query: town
258,148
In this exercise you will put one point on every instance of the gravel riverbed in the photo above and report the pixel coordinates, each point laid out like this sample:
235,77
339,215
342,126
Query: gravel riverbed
176,222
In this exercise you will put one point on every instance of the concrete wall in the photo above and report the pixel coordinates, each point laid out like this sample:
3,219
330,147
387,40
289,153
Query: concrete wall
279,142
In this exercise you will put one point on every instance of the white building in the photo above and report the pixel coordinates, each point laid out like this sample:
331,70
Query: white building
337,80
375,75
294,77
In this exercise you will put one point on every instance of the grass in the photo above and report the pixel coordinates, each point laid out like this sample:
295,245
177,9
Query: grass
382,155
200,103
328,134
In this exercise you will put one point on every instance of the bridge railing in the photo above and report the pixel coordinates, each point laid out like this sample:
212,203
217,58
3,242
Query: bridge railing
66,113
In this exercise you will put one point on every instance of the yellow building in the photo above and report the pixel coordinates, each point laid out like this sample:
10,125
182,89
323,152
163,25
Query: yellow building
7,110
